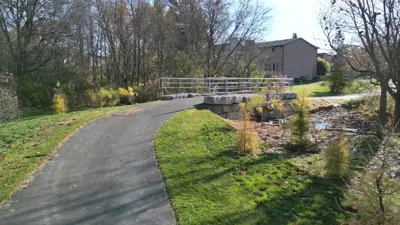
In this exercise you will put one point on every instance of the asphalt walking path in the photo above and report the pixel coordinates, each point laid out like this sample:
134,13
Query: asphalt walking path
106,173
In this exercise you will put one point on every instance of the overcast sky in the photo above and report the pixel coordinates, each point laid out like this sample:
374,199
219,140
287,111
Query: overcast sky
296,16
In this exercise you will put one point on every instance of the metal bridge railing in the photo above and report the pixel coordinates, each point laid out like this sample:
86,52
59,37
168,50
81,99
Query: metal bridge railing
222,85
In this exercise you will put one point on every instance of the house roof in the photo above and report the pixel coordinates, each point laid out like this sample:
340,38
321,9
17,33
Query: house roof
269,44
323,54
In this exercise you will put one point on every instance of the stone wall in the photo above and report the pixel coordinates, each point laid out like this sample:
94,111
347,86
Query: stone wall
227,106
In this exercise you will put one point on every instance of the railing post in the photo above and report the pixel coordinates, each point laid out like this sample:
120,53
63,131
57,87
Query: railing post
226,86
207,85
162,86
180,91
197,86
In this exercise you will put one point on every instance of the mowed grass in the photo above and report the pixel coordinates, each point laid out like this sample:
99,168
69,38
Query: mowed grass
209,184
321,89
315,89
26,142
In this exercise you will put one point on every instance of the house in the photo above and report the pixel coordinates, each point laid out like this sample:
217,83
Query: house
291,57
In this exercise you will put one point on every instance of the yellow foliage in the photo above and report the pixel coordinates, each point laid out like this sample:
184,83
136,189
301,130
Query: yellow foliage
259,110
123,92
337,158
130,91
59,103
108,97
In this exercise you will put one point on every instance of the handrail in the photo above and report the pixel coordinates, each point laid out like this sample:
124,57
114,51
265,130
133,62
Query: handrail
221,85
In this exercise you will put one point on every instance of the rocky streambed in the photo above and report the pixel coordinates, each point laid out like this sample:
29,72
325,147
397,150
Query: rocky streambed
279,135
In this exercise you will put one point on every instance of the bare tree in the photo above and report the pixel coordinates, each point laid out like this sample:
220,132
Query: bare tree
355,28
32,29
229,24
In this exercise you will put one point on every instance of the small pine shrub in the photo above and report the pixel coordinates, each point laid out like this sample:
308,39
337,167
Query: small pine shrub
337,158
336,79
59,103
300,125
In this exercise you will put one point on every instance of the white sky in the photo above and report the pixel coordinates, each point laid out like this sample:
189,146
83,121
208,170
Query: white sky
296,16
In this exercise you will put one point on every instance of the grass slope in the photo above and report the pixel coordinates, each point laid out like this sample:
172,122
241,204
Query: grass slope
25,142
209,184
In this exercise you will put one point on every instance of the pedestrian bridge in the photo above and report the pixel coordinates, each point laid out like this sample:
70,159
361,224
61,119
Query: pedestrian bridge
180,87
223,95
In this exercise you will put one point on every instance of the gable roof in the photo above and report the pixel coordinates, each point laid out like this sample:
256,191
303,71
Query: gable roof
323,54
269,44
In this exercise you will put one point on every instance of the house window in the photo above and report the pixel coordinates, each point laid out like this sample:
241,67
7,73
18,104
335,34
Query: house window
267,67
272,67
273,49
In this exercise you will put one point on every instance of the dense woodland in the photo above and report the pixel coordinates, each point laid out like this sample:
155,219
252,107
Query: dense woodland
89,44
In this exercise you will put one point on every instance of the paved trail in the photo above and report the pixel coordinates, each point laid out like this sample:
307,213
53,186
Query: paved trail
347,97
104,174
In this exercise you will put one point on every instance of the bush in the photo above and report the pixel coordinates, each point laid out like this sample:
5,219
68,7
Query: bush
107,97
93,99
336,80
148,92
303,79
59,103
337,158
368,105
35,94
126,97
300,125
9,105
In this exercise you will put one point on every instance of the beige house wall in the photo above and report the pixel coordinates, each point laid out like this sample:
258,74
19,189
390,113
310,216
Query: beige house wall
271,55
300,59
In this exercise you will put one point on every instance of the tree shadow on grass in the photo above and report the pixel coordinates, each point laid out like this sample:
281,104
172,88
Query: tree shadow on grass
201,106
279,198
312,205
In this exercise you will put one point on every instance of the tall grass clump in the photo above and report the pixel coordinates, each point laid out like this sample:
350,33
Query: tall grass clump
247,139
337,158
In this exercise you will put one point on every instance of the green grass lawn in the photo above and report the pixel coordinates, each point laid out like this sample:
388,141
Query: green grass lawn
209,184
24,143
321,89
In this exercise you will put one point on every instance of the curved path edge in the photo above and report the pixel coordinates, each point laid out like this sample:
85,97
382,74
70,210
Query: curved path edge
106,173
